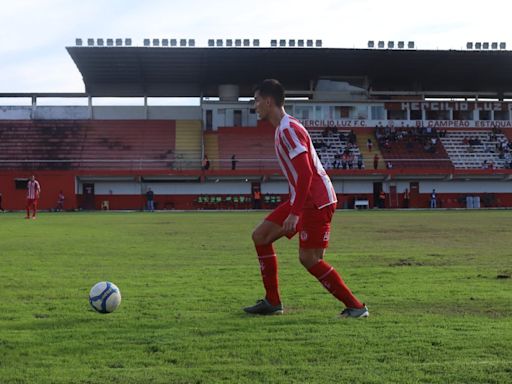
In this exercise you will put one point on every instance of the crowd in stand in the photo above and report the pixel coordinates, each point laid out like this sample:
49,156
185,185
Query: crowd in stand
495,143
427,137
348,157
502,147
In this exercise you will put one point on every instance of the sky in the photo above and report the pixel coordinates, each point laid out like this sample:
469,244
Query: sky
34,33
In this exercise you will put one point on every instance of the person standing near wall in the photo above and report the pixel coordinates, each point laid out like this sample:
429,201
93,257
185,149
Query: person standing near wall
406,198
382,199
60,202
256,199
433,199
150,204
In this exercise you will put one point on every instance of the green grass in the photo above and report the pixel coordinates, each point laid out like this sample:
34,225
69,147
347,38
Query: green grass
439,314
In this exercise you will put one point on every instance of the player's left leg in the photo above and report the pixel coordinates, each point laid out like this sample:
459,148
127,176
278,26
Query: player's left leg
34,207
312,260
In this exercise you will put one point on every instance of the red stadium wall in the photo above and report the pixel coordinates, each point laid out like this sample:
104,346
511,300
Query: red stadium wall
166,202
51,183
54,181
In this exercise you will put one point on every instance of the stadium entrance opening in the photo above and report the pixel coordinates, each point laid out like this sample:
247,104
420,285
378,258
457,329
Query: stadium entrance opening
414,188
377,189
88,195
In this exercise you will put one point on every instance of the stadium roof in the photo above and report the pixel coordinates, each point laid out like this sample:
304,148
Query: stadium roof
194,72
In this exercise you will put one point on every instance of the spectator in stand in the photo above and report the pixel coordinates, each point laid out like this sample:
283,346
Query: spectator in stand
375,161
60,202
389,165
406,198
1,208
433,199
337,161
344,160
369,144
233,162
350,160
508,160
352,137
360,163
150,204
206,163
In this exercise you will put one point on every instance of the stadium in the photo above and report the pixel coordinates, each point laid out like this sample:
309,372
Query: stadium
397,128
436,119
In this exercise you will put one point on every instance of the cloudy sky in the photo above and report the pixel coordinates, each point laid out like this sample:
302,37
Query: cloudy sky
34,33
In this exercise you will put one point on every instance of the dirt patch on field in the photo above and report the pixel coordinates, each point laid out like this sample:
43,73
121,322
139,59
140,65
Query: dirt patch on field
406,263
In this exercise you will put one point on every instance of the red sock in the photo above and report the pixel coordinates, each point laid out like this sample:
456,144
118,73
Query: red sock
333,282
268,267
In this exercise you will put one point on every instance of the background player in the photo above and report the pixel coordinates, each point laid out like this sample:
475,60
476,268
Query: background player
33,192
308,211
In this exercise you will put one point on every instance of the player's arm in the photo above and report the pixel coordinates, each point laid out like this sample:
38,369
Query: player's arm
304,177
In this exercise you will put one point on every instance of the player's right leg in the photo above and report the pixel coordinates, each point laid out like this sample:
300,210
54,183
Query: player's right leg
314,239
263,236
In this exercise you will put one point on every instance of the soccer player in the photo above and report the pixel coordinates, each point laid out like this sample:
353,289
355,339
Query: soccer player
33,192
308,211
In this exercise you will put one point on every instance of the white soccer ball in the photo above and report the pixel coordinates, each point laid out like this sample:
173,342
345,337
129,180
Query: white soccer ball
105,297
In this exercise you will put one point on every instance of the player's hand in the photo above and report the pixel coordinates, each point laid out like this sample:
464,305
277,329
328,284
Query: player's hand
290,224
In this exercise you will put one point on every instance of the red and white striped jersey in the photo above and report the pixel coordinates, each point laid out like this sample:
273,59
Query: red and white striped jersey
292,139
33,189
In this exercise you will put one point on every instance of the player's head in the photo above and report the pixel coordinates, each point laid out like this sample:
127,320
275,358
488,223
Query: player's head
32,177
268,94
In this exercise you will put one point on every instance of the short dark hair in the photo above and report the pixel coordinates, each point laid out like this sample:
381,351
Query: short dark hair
271,88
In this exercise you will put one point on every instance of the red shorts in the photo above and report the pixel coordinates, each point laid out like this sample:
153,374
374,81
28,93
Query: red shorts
32,202
314,224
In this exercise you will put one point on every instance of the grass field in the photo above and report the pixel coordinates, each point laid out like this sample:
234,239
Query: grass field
438,311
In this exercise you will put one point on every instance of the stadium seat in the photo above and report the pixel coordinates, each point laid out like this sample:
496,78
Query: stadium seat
477,156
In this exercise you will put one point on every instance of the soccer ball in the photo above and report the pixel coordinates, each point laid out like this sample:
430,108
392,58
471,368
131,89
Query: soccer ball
105,297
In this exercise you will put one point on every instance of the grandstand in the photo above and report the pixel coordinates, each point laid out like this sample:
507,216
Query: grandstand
430,129
78,144
477,149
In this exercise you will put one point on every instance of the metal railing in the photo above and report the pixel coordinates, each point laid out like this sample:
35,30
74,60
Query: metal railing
217,164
